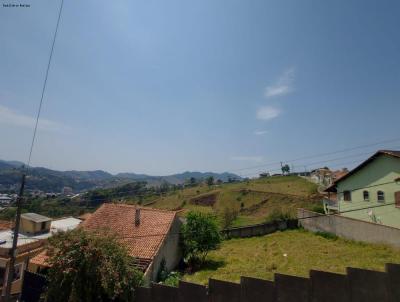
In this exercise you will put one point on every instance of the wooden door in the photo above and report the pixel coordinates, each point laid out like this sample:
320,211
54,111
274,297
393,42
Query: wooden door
397,199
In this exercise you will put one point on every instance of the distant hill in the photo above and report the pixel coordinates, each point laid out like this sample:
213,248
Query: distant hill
179,178
48,180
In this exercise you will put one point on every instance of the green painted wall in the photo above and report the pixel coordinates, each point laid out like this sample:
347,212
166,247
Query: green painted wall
383,169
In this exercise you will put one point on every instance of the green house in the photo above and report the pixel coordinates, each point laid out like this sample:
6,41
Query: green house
369,192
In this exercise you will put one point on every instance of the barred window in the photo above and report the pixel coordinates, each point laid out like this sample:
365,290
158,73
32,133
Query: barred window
347,195
381,196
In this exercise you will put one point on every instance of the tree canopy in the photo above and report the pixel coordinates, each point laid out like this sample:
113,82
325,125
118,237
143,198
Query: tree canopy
200,235
86,267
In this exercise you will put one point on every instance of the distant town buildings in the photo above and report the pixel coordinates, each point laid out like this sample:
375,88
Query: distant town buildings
325,177
35,229
5,199
67,191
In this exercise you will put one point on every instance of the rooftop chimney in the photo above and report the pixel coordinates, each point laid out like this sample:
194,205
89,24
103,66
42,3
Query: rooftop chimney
137,216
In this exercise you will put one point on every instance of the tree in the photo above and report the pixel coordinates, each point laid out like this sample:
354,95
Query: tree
164,187
86,267
228,217
199,236
192,181
285,169
231,179
210,181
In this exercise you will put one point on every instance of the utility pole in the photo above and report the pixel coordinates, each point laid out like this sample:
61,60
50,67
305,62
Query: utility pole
13,251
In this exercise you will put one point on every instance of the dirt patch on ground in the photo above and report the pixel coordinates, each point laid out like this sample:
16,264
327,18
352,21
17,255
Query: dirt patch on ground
207,200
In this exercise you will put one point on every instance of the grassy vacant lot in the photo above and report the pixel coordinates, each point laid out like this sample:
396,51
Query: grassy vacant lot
253,200
291,252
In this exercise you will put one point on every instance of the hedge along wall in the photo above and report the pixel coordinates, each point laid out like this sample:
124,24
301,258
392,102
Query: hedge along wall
260,229
357,285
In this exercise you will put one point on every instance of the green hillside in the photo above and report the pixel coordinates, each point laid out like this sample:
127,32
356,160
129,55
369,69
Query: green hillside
293,252
249,202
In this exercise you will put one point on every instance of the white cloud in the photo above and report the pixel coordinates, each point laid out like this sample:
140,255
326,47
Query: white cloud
247,158
13,118
267,113
282,86
260,132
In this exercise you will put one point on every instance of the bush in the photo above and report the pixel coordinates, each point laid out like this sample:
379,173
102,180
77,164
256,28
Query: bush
162,273
86,267
173,279
278,215
228,217
200,235
319,208
327,235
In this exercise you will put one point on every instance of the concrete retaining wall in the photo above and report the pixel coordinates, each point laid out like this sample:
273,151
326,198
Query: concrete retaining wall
259,229
349,228
357,285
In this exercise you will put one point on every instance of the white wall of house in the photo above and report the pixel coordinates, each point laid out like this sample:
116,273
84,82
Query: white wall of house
170,251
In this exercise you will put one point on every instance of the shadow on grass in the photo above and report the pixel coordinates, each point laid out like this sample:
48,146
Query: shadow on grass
212,265
208,265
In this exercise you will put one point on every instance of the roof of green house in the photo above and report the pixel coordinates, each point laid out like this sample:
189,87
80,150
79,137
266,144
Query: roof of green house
332,188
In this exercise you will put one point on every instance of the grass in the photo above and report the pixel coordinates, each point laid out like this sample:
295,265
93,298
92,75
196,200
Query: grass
292,252
254,200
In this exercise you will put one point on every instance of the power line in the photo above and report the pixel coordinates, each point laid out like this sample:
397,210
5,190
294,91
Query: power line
307,165
13,251
322,162
143,194
319,155
44,85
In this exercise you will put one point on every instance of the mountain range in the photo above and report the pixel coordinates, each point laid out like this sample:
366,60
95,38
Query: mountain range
48,180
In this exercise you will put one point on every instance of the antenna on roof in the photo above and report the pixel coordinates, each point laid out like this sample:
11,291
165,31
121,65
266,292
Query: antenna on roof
137,216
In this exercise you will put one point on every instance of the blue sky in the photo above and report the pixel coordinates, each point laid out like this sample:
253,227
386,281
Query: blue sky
160,87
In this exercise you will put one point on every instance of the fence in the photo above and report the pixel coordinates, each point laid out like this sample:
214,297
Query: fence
357,285
33,287
259,229
349,228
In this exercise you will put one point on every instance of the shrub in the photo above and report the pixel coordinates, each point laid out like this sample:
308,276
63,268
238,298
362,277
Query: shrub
319,208
162,273
228,217
327,235
86,267
173,279
278,215
200,235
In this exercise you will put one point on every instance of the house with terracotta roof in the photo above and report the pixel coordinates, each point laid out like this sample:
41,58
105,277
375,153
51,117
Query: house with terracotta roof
151,236
369,192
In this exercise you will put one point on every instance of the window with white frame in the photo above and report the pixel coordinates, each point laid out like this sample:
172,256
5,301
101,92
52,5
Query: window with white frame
380,196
